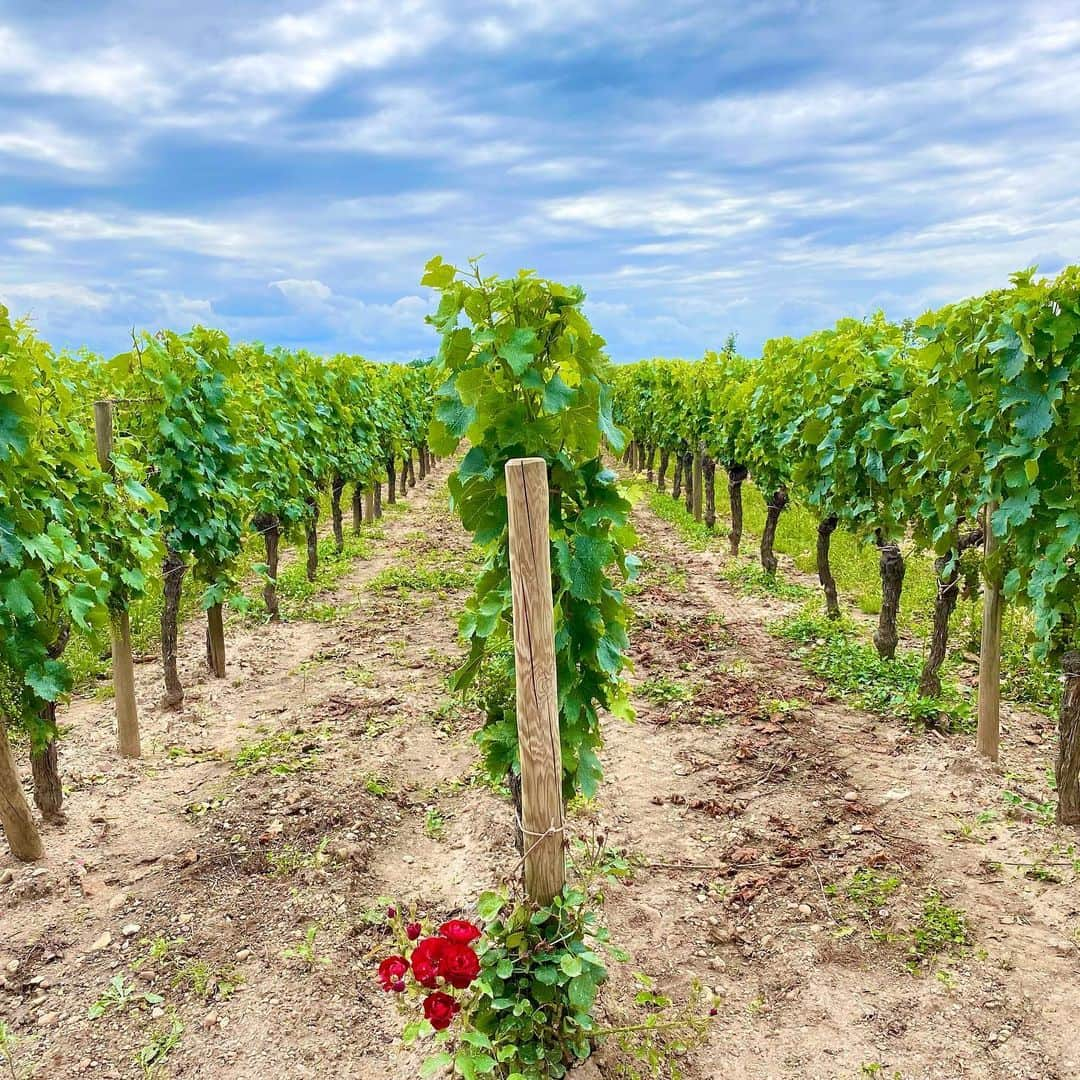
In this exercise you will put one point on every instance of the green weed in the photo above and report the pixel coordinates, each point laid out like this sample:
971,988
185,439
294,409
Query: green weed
280,754
663,691
940,929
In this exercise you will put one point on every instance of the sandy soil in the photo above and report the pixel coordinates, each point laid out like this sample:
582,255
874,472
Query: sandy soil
308,787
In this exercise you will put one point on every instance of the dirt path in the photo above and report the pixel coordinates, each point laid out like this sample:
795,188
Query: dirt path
760,773
291,794
331,771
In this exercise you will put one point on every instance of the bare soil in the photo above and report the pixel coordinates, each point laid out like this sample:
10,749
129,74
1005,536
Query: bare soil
330,771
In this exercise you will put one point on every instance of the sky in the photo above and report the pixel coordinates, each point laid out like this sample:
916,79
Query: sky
284,170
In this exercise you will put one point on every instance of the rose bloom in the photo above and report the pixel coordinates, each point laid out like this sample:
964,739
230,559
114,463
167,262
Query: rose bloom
426,959
391,971
440,1009
458,965
460,931
413,930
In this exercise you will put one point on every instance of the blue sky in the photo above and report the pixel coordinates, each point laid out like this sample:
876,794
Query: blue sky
284,170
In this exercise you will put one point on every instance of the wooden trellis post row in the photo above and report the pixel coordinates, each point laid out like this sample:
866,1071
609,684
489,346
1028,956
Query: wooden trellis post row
536,681
123,668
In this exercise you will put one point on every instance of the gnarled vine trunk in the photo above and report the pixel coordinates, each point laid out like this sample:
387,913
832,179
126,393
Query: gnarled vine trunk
661,476
676,485
650,461
45,765
377,499
948,594
357,508
688,480
337,489
891,567
768,534
826,528
736,476
628,453
403,476
708,468
1067,764
15,816
270,527
172,571
311,534
410,469
513,782
391,480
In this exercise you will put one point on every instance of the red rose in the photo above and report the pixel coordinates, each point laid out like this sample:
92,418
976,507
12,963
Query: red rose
460,931
413,930
391,971
440,1009
426,959
458,965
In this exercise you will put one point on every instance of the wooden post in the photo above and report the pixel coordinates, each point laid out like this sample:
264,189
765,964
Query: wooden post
123,667
369,505
215,641
989,728
697,482
537,689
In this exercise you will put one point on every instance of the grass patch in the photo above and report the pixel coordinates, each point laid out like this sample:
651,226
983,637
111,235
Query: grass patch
696,533
406,579
939,929
280,754
753,580
869,890
663,691
888,687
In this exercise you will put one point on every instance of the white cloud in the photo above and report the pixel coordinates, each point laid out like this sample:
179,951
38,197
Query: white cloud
41,142
305,292
28,296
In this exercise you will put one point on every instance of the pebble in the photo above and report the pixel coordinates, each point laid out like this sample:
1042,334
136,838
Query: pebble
7,876
131,929
805,910
118,901
243,954
12,966
851,796
47,1019
102,942
210,1020
408,859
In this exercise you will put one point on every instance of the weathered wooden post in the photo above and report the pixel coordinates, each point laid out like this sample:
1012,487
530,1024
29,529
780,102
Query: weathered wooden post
989,728
535,673
698,467
369,505
123,668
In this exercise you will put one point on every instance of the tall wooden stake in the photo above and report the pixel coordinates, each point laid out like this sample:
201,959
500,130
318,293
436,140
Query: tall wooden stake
989,728
369,505
697,482
123,668
537,688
